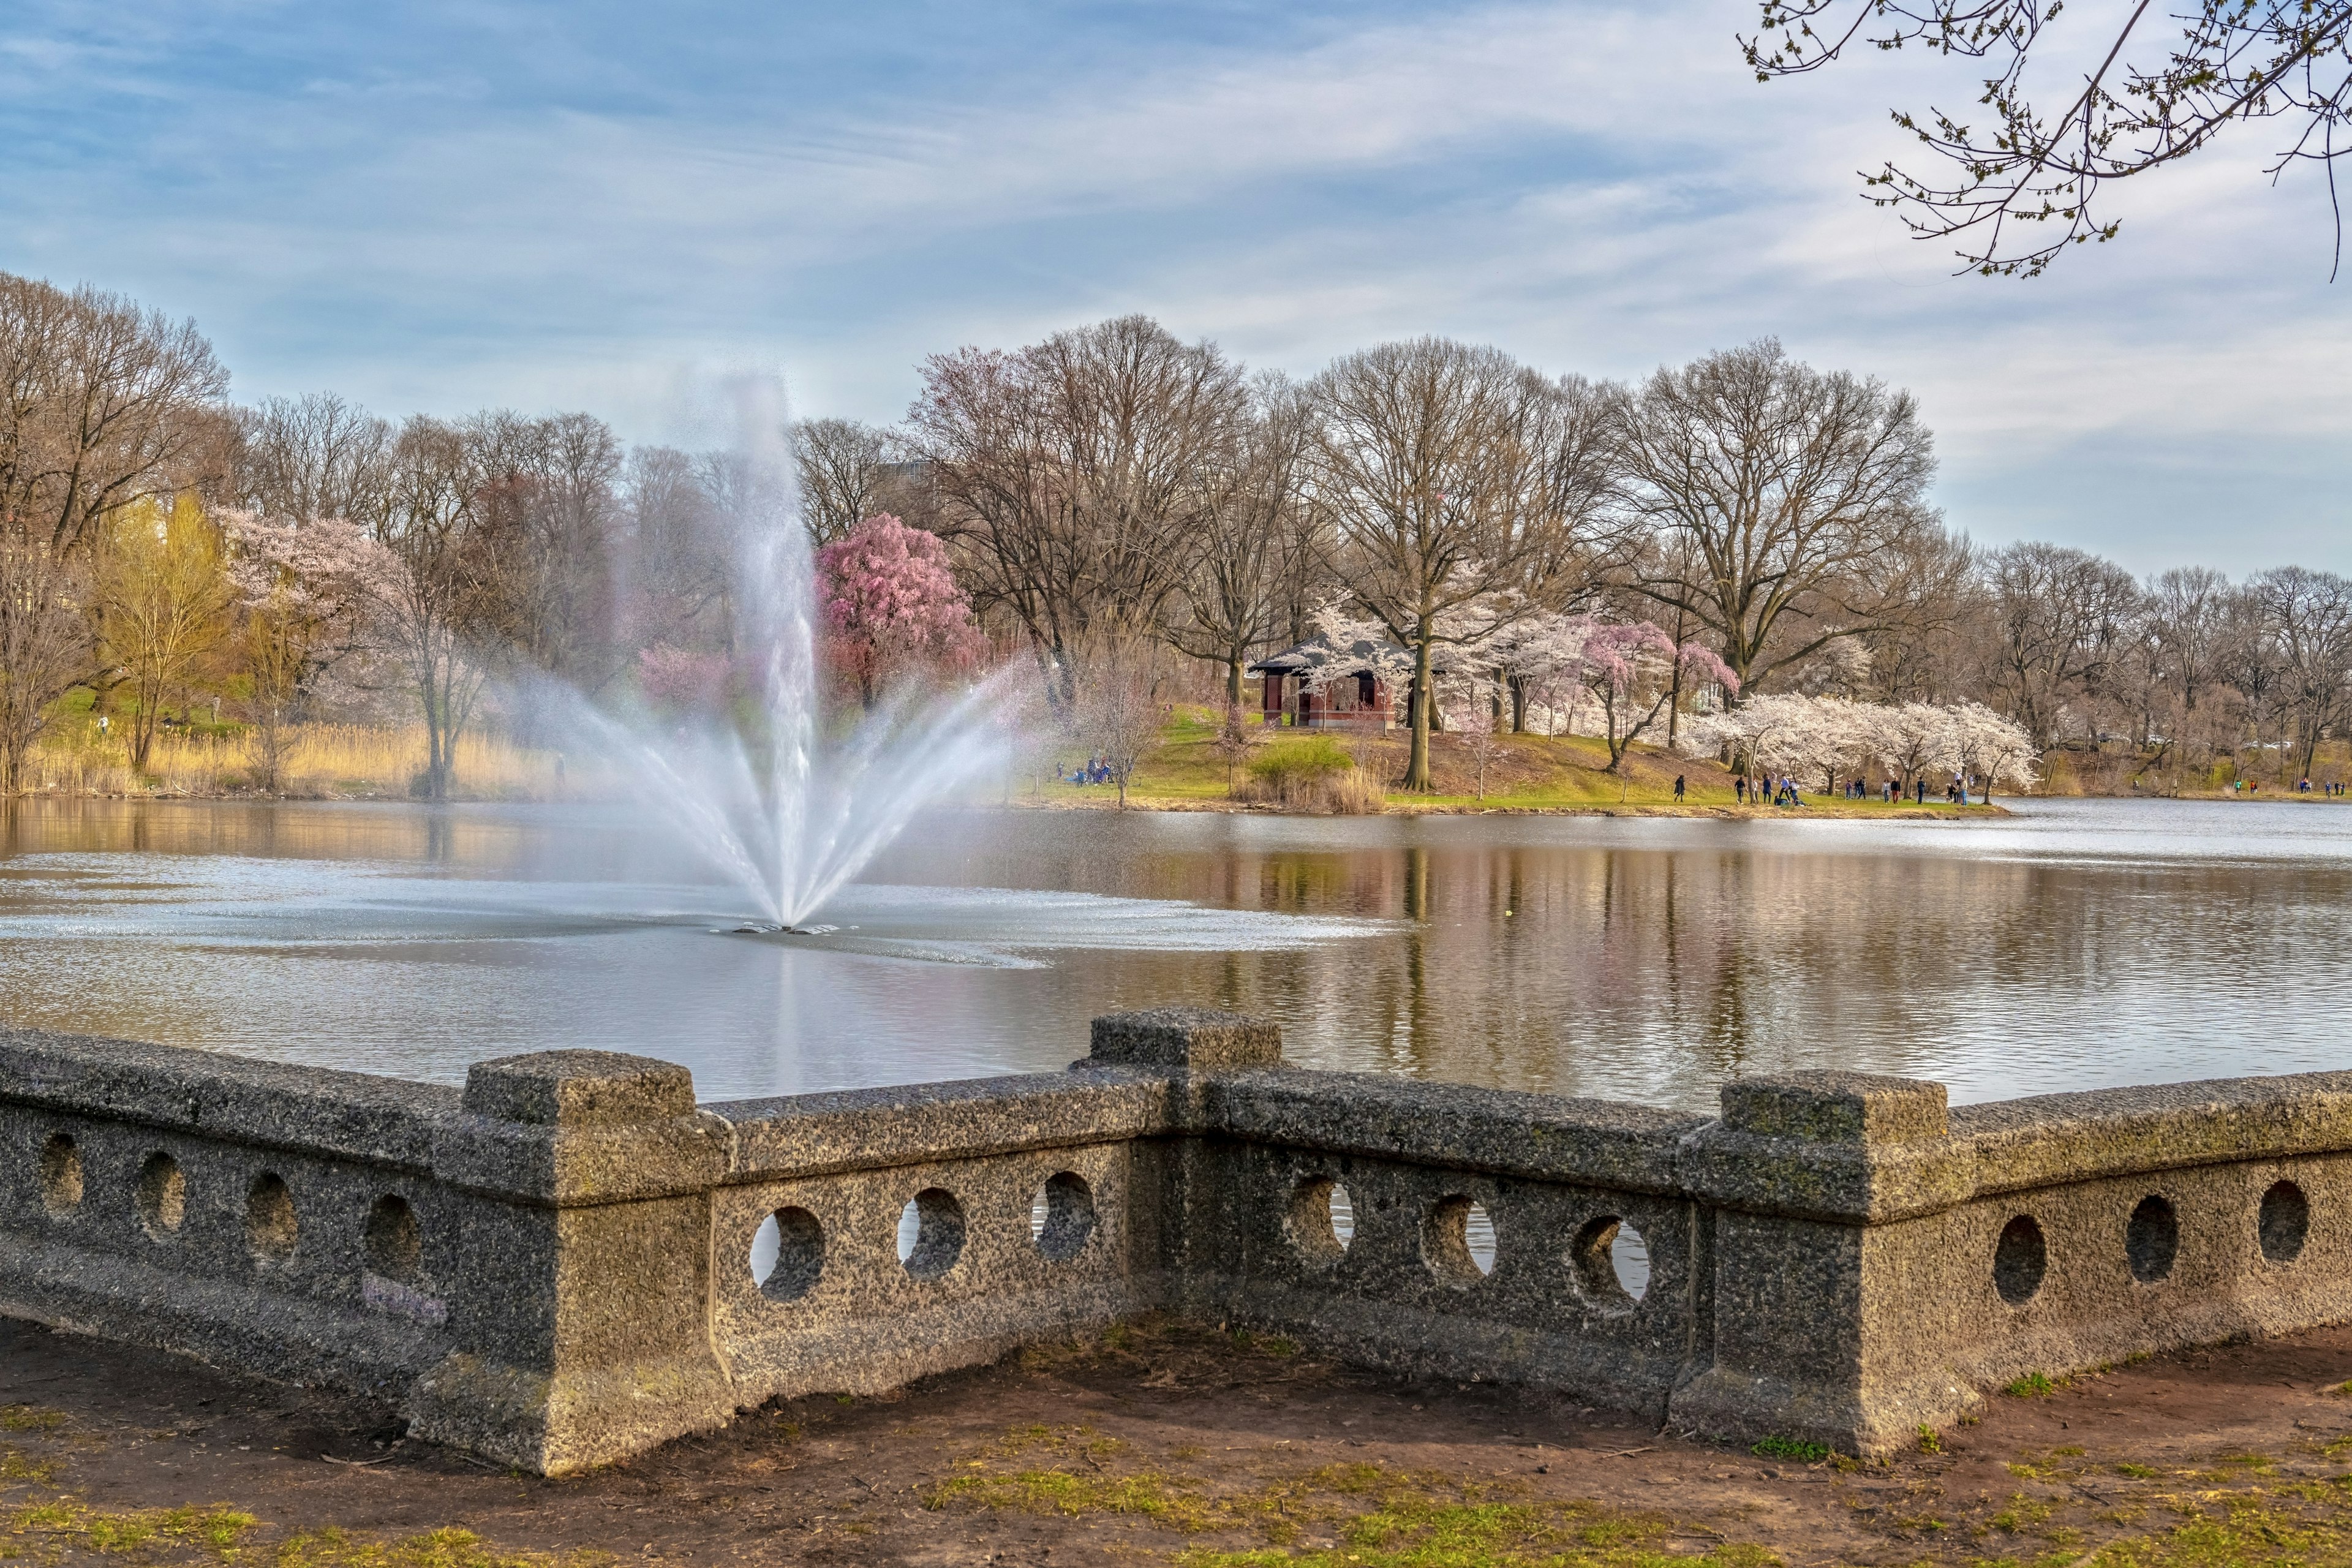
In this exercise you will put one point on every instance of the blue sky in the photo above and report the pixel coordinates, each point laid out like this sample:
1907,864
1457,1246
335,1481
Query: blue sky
440,206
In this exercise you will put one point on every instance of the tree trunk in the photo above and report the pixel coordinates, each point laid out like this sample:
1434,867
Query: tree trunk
1416,771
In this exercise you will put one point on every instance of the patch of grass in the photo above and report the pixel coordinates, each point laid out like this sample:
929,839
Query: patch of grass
2023,1513
30,1418
1409,1529
2254,1526
15,1465
73,1525
1930,1441
1373,1517
1174,1501
2033,1385
1790,1448
2139,1472
436,1549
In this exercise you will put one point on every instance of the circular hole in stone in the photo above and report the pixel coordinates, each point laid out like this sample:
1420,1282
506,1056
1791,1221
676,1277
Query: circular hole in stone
394,1246
60,1175
1610,1263
787,1253
1478,1234
2018,1260
1062,1218
2283,1223
1628,1257
2152,1239
1445,1240
930,1232
270,1226
162,1195
1322,1220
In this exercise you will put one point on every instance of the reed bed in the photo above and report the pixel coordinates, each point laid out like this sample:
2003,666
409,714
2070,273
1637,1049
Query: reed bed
323,762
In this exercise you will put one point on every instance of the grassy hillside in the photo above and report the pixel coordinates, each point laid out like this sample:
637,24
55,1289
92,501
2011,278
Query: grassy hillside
1526,773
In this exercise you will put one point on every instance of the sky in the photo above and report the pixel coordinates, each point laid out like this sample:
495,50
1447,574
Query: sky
437,206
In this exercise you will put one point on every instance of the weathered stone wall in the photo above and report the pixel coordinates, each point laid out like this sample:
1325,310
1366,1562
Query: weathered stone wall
556,1267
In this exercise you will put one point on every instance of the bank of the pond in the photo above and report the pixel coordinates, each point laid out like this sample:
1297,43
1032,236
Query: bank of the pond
1186,1447
1103,798
1194,768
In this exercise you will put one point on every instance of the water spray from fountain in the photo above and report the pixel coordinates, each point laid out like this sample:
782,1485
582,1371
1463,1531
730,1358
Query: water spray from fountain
757,788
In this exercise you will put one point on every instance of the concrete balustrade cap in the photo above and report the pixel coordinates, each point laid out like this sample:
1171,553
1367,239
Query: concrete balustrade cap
1201,1039
580,1088
1831,1106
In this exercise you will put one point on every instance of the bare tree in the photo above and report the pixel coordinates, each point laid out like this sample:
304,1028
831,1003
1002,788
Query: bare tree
2309,615
425,592
1251,536
671,579
539,544
45,646
2023,183
1069,473
1120,711
100,402
2062,618
2249,659
1787,489
844,468
302,460
1441,467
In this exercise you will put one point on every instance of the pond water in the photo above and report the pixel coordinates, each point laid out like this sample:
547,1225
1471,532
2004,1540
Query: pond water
2075,943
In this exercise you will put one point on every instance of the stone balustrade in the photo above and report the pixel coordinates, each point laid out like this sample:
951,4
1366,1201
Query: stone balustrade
570,1260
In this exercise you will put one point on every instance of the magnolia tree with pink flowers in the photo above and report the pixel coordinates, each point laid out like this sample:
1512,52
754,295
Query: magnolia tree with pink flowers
893,609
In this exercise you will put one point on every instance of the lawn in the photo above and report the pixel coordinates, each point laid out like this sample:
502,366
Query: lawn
1186,771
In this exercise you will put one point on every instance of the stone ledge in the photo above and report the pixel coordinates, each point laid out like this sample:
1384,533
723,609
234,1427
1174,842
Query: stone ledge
1602,1142
795,1136
317,1110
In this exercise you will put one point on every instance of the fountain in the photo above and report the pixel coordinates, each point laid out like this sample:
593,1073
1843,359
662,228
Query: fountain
756,791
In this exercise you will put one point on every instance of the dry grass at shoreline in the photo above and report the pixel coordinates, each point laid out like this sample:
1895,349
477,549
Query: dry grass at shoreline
325,762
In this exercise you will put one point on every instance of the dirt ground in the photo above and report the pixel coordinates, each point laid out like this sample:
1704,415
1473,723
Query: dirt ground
1168,1443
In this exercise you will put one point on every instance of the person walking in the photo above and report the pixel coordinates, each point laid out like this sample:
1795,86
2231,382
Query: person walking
1739,787
1678,789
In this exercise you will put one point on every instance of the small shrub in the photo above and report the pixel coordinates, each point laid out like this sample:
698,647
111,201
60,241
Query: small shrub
1316,775
1790,1448
1929,1443
2033,1385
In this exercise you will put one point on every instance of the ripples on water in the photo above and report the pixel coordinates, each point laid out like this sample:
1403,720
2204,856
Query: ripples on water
2077,944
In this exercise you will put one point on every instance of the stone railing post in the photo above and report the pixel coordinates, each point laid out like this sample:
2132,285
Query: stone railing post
1185,1039
581,1300
1819,1328
1185,1189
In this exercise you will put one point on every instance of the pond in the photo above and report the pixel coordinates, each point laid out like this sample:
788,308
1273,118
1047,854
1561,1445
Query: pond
2074,944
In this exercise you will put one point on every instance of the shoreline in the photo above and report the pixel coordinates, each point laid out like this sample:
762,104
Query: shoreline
1849,811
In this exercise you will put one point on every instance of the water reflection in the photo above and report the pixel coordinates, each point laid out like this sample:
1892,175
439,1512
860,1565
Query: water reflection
2080,943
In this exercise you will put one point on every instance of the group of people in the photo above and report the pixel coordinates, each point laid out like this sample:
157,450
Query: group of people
2306,787
1782,790
1096,772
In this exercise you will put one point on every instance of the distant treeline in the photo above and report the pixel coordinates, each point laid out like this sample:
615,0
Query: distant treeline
1125,510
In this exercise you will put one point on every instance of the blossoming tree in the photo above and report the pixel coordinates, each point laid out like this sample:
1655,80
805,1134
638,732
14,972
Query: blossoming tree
892,607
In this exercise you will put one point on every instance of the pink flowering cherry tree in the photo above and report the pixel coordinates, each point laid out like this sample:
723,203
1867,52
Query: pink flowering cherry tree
893,609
